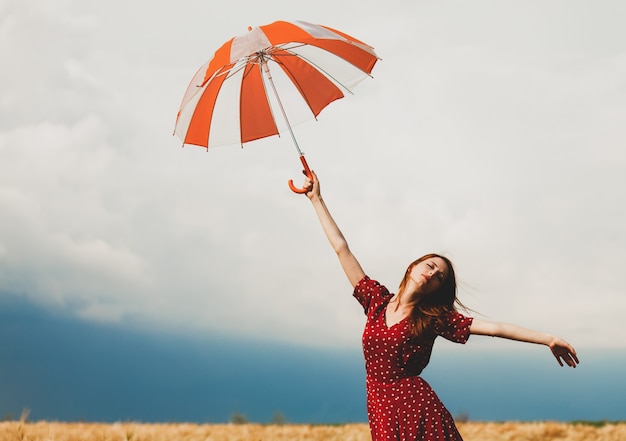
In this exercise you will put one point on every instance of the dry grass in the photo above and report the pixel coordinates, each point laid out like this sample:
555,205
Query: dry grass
545,431
54,431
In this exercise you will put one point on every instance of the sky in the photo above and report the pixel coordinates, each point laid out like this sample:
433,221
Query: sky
491,131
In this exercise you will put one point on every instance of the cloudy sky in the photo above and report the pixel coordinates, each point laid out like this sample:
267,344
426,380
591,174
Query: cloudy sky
492,131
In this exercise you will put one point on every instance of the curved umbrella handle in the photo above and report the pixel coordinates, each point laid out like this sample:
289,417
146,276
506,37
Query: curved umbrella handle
307,172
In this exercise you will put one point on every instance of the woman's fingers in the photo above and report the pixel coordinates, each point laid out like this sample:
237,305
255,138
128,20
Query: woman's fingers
565,353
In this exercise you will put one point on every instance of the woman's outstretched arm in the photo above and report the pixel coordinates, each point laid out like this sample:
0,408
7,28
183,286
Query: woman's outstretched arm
350,265
562,350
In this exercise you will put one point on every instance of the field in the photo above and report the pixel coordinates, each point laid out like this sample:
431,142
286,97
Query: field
471,431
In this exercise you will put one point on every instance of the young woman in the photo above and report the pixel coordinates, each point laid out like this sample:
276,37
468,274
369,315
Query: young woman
399,334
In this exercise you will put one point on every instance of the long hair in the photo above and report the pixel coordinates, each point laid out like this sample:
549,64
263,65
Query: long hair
431,308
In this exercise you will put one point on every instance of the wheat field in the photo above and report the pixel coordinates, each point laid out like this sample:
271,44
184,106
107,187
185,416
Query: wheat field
128,431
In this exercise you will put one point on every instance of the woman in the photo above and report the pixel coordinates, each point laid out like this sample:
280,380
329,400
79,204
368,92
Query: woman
399,335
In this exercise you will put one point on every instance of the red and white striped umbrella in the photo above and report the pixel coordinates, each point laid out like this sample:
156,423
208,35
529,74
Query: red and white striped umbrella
233,98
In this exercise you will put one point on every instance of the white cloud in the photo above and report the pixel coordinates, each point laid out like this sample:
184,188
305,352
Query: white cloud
491,132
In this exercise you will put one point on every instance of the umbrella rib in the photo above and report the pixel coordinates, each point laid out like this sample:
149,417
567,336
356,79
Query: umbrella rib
266,69
237,67
298,86
231,72
221,71
260,65
312,63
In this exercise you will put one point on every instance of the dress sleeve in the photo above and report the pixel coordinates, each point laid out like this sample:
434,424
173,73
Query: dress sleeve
369,292
455,327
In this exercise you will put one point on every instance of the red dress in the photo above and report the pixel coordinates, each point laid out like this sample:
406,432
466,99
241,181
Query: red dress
401,406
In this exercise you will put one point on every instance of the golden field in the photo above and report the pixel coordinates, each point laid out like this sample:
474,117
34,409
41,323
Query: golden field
471,431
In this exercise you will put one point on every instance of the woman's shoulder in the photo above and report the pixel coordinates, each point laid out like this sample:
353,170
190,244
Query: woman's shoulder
369,284
454,326
370,290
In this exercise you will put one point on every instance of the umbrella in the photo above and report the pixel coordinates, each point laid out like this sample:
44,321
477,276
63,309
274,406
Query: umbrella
293,68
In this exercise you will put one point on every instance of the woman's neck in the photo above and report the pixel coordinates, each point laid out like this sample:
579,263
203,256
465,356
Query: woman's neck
403,301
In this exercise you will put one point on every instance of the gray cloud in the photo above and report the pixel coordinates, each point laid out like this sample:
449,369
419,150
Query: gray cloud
492,133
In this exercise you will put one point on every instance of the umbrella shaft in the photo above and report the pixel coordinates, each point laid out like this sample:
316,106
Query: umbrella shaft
266,69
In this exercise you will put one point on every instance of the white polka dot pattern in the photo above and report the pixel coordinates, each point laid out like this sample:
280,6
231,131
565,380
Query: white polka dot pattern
401,406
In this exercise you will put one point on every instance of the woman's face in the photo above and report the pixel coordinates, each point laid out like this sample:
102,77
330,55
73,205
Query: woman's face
429,275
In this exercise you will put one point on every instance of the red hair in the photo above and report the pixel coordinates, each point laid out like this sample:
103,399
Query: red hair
432,307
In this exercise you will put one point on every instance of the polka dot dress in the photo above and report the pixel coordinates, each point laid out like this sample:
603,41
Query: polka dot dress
401,406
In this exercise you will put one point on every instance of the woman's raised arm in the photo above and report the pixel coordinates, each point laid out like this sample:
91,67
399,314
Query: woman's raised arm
562,350
349,263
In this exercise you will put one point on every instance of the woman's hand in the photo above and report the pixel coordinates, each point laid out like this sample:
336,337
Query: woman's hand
312,186
563,352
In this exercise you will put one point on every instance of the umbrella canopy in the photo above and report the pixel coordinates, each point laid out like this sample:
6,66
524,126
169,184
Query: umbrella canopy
292,68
